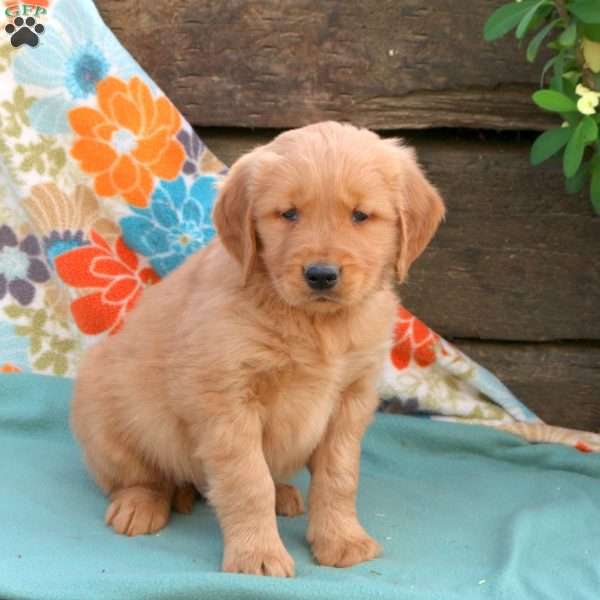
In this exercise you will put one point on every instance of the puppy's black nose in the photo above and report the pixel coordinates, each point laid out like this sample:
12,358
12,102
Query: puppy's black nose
321,276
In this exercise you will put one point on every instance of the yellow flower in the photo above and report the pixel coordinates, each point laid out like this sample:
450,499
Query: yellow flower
591,53
587,103
589,100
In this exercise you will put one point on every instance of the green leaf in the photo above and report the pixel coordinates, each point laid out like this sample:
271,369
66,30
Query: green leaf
528,18
557,83
549,64
504,19
595,188
584,133
45,360
541,18
14,311
587,11
574,185
569,36
590,130
569,86
554,101
23,330
549,143
537,40
592,32
572,76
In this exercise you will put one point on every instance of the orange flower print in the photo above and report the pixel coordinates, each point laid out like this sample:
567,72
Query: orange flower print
115,276
128,141
413,340
9,368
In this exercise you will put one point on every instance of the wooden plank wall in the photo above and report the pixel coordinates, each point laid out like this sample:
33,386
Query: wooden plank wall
513,276
384,64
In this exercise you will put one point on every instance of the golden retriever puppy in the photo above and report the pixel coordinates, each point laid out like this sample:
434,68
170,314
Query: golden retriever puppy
259,355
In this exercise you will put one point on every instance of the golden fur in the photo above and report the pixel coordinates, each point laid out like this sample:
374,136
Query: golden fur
232,374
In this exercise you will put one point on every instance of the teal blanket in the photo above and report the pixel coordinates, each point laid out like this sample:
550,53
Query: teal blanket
463,512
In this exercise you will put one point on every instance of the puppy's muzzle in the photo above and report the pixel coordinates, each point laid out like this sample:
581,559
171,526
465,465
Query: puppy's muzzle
322,276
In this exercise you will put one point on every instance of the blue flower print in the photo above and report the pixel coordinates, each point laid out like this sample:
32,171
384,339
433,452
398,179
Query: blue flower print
76,51
84,68
176,224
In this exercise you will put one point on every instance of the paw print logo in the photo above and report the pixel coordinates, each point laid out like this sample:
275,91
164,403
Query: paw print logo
24,31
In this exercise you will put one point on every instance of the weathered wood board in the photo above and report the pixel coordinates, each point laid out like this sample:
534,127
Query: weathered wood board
385,64
516,258
559,382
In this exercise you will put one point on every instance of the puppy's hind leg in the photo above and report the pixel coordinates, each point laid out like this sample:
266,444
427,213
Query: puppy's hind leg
184,498
140,495
140,509
288,500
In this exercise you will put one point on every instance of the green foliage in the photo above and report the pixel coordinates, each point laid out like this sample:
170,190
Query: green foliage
585,133
554,101
538,40
587,11
549,143
506,18
564,33
575,184
592,32
595,185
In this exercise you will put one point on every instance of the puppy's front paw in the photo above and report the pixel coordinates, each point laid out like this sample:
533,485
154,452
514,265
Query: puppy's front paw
271,560
288,500
341,551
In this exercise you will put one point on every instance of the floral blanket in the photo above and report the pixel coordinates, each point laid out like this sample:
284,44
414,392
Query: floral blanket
104,189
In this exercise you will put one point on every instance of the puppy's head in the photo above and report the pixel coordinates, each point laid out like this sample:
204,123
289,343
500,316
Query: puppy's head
329,211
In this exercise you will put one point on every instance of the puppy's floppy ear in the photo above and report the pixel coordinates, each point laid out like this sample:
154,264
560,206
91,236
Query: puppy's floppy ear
420,207
233,213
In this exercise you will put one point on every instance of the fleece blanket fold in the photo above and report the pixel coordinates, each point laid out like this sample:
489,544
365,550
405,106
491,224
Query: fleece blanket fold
105,189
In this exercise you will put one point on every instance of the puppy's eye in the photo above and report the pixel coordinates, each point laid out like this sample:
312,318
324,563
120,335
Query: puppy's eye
358,216
290,215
